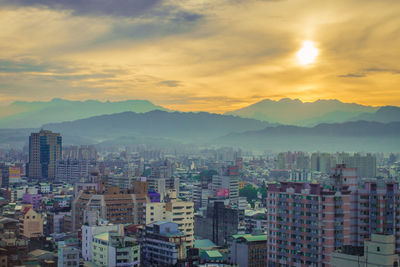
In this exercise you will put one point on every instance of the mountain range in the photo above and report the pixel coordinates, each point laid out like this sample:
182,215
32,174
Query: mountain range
173,129
182,127
22,114
349,136
286,111
295,112
347,127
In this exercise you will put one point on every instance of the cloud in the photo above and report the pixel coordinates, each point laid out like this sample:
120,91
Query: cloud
199,55
352,75
170,83
367,71
393,71
7,66
125,8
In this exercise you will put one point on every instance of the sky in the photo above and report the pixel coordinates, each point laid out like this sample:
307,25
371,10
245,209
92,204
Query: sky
193,55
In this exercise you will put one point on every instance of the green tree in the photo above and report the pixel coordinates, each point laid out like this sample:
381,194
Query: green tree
263,190
249,192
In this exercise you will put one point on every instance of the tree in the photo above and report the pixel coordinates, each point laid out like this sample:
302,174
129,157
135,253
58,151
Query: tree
249,192
263,190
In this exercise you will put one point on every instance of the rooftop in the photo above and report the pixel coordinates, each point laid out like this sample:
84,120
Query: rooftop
204,243
103,236
251,238
213,253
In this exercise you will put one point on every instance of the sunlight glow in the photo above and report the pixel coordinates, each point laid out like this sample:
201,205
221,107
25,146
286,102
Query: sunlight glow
307,54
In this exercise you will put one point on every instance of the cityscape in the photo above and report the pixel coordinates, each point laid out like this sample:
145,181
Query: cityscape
142,206
230,133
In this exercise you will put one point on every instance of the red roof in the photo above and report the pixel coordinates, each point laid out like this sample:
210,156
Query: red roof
26,209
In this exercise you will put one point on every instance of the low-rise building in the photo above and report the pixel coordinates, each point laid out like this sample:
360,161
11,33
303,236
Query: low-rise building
249,250
113,249
378,251
88,232
31,223
163,244
68,254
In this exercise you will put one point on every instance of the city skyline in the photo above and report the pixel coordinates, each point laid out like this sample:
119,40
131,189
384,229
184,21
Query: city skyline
193,56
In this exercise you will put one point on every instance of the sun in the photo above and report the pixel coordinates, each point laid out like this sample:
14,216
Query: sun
307,54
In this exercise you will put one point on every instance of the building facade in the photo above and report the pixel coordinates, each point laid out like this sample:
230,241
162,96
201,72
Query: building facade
45,148
249,250
163,244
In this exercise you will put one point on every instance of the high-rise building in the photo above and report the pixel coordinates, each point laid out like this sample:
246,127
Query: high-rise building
366,165
220,223
322,162
307,222
71,170
223,185
45,148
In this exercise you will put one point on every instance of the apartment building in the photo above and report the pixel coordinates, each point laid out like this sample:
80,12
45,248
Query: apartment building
112,205
173,210
163,244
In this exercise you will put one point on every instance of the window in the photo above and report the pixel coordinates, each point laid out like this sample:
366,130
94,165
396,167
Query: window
378,249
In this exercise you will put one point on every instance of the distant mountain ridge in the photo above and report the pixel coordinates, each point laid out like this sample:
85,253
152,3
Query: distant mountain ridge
295,112
175,129
348,136
384,114
22,114
179,126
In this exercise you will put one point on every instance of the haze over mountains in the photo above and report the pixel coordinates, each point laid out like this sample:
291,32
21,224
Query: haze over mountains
348,136
330,125
295,112
183,127
22,114
285,111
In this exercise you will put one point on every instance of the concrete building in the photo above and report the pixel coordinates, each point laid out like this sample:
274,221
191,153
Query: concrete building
163,244
71,171
322,162
158,185
378,211
173,210
379,251
365,165
45,148
31,223
155,212
228,184
112,205
307,222
55,222
88,232
248,250
68,254
113,249
219,223
255,220
182,213
201,195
